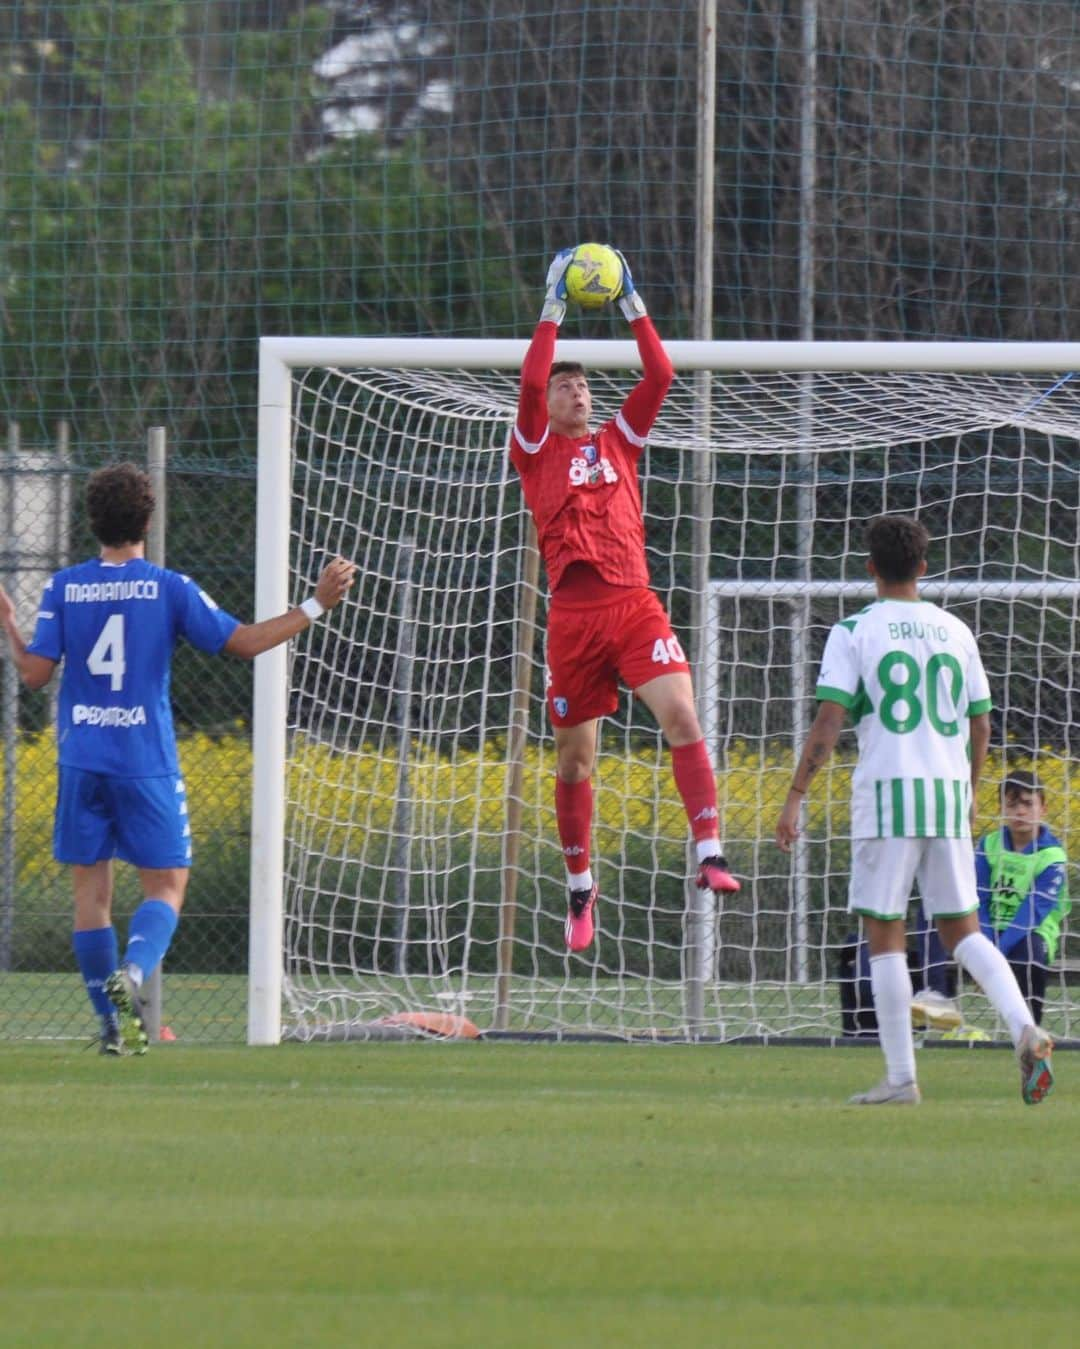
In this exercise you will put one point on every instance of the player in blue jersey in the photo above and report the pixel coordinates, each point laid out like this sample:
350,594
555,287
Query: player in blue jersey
113,623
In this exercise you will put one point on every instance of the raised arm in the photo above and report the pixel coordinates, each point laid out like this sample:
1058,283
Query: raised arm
252,639
643,403
34,671
530,428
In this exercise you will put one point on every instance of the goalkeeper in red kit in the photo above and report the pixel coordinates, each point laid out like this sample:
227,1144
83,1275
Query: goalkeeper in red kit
604,623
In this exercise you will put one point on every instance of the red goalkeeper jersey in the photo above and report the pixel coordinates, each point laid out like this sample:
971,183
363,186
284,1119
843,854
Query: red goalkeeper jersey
583,490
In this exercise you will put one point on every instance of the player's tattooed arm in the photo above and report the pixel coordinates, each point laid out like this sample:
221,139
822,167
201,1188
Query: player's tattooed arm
820,743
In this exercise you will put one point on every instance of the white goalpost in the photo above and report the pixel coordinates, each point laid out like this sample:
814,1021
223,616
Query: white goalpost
406,876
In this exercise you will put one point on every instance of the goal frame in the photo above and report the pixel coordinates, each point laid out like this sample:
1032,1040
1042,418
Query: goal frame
279,356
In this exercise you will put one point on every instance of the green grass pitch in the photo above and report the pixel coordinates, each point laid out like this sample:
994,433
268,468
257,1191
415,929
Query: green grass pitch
531,1195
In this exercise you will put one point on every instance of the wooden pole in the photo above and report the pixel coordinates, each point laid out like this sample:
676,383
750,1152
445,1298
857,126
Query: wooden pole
515,772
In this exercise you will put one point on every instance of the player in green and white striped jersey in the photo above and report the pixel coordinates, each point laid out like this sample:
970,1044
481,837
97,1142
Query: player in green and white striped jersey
909,675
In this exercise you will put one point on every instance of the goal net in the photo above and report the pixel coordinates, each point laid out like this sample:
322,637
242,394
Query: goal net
406,870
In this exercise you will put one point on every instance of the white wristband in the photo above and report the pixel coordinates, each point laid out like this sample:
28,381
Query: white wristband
312,608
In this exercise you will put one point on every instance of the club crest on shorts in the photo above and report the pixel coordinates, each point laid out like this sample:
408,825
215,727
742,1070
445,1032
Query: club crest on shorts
561,706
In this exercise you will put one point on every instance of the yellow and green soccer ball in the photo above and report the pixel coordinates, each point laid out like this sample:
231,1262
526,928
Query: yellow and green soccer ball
595,276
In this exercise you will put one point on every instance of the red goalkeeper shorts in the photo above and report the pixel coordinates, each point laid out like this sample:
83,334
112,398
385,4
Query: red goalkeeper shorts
590,648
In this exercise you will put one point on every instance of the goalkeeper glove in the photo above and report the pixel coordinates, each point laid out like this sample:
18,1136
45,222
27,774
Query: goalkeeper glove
554,310
630,302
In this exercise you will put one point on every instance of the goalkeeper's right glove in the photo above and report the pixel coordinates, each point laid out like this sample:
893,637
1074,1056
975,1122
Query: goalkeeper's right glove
554,310
630,302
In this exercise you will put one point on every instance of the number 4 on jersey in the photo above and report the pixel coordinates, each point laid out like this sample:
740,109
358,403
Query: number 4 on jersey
107,657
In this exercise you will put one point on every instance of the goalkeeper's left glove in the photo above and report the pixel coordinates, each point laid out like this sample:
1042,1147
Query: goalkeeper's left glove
554,310
630,302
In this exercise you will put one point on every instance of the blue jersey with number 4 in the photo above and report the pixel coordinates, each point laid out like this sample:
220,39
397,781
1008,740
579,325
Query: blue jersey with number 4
114,625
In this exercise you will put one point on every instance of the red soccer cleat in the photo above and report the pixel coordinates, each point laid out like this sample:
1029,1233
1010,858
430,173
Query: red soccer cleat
713,874
580,928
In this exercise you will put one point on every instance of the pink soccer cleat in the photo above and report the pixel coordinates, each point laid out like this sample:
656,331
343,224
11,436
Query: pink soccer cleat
580,927
713,874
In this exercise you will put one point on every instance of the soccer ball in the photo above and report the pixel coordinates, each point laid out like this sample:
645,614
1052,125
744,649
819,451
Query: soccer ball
595,275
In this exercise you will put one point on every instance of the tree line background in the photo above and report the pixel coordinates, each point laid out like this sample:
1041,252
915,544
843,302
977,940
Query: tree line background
181,176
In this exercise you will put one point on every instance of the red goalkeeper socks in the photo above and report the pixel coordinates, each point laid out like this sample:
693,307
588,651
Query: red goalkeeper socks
573,814
697,786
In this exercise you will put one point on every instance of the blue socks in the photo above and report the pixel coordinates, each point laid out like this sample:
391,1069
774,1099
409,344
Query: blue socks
149,934
96,953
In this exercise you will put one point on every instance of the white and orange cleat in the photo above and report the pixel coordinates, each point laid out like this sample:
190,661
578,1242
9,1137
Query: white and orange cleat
580,927
713,874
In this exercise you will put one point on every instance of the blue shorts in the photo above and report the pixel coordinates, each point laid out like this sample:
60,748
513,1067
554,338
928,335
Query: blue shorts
143,821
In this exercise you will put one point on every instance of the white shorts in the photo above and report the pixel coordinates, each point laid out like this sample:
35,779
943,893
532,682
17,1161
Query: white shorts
883,870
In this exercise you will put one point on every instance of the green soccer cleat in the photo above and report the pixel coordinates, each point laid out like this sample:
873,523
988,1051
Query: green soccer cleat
907,1093
1033,1052
121,992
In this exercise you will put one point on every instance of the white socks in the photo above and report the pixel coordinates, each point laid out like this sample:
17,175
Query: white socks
990,970
891,985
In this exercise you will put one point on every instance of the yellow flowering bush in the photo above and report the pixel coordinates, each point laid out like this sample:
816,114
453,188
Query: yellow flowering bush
339,790
342,800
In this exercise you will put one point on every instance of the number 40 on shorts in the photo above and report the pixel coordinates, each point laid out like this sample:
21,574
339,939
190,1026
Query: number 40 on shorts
666,650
